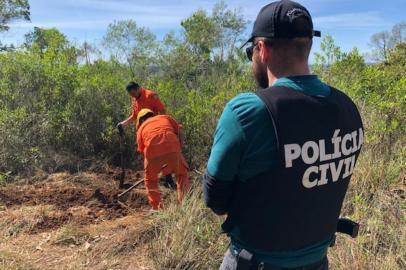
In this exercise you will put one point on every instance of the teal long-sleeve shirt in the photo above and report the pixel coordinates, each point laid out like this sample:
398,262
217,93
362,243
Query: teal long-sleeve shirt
245,146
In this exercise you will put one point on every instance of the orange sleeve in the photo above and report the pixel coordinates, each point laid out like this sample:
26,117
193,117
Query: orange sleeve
159,107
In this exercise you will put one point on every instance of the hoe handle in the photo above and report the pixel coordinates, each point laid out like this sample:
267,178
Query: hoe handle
130,188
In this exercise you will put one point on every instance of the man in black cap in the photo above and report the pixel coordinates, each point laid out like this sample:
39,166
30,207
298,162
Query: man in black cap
282,157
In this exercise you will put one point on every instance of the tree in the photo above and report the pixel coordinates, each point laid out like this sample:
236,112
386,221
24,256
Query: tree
131,44
230,24
384,42
330,53
86,52
381,44
42,39
201,33
345,73
12,10
398,34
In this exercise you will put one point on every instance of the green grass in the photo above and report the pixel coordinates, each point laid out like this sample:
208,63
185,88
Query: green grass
71,235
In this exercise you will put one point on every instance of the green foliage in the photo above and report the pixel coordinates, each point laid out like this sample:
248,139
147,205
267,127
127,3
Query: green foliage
41,40
330,52
13,10
54,109
383,42
230,25
377,88
130,44
58,113
201,39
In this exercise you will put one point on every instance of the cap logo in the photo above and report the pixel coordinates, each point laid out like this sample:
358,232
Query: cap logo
295,12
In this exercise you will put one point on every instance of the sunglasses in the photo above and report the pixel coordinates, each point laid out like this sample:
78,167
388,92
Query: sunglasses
250,51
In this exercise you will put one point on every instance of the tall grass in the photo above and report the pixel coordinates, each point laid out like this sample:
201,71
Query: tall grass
187,236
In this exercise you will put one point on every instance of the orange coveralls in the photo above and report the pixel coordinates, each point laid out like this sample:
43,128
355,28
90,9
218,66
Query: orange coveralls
158,140
147,100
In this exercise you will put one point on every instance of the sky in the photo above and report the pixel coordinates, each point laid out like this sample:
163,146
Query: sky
350,22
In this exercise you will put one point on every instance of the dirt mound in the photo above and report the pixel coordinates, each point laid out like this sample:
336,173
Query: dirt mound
79,199
50,222
62,197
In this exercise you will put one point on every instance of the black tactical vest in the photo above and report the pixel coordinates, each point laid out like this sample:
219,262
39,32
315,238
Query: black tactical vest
297,203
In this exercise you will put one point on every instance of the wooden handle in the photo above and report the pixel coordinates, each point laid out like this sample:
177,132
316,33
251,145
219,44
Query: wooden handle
130,188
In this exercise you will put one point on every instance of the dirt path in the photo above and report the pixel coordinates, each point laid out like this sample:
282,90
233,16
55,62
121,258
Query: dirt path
65,221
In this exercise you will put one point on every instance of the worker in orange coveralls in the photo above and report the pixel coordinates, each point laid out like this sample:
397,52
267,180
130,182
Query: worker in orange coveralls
142,98
159,139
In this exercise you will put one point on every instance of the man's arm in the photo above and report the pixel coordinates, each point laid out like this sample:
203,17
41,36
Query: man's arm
223,164
129,120
159,106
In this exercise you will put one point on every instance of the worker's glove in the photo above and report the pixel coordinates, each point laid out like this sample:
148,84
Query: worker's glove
120,129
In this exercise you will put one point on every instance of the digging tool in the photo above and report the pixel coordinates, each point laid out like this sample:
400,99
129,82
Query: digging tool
129,189
122,176
134,186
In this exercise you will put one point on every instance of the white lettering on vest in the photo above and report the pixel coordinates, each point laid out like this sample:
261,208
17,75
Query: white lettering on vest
292,152
306,177
314,152
305,152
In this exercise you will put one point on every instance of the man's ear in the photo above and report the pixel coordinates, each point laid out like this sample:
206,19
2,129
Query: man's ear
263,51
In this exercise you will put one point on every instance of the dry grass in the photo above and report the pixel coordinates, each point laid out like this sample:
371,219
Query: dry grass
117,244
377,200
52,237
24,219
70,235
187,237
13,261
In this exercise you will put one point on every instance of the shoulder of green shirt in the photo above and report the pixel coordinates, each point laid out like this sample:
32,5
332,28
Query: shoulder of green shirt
309,84
246,106
242,114
245,117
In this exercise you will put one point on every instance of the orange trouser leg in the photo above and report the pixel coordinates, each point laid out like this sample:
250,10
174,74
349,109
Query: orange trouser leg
166,171
182,177
178,165
152,169
175,164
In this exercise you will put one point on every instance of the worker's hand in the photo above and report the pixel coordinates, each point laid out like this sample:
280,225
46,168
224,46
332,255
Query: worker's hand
120,128
122,123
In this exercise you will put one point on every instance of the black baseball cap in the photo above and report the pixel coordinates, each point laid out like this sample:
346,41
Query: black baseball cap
283,19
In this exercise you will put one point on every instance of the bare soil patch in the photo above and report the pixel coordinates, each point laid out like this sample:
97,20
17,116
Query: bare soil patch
81,198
